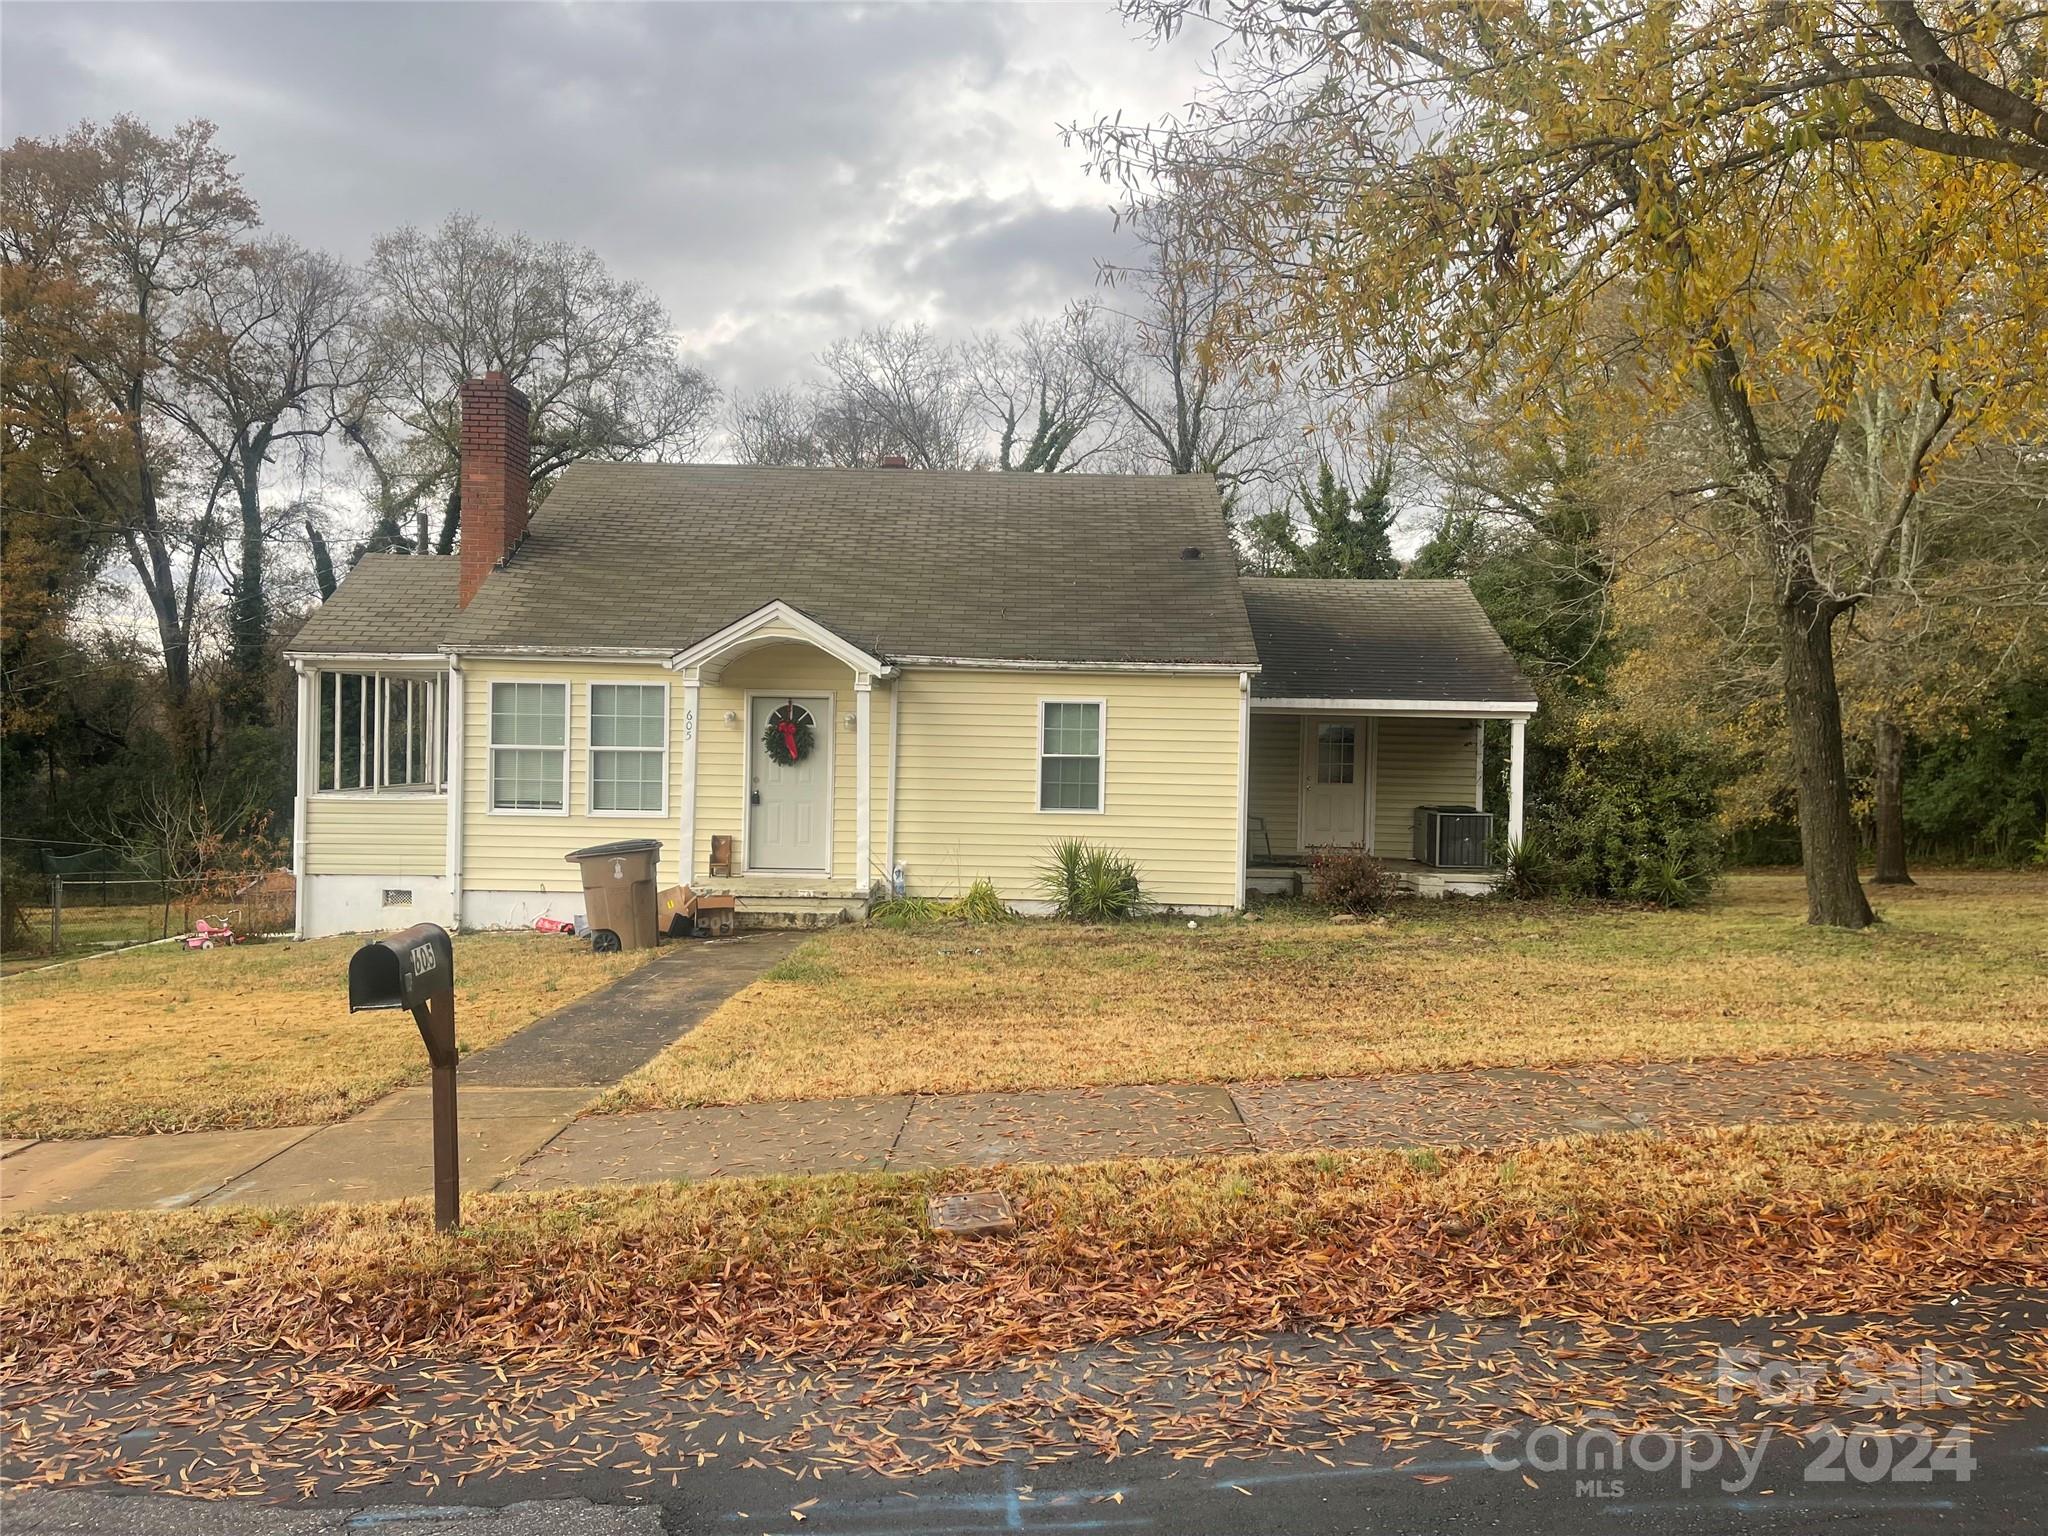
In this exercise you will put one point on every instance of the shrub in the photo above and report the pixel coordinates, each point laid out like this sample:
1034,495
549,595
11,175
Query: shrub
906,912
20,889
1633,818
981,904
1350,878
1089,884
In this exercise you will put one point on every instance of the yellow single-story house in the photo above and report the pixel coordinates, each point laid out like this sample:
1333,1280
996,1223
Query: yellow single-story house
812,686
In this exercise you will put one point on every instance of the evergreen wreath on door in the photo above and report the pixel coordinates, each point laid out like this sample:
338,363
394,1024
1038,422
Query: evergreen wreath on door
790,736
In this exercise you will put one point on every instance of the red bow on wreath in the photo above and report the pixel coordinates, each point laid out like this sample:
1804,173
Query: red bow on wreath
788,729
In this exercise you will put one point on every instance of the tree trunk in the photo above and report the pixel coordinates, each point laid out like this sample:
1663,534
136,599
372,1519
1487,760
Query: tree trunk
323,562
451,519
1813,715
245,701
1891,811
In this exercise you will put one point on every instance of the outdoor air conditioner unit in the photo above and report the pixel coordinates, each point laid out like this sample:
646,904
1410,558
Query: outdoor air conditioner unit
1453,837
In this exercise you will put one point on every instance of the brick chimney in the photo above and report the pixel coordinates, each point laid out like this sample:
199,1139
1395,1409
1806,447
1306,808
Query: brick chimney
494,481
894,461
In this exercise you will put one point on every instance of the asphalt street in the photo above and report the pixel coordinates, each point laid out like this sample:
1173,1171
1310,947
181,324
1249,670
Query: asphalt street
1449,1425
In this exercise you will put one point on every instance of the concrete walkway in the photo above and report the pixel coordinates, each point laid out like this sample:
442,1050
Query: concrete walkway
515,1096
1483,1108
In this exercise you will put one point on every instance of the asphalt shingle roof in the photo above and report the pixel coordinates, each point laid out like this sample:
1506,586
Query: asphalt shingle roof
386,605
974,565
1414,641
900,562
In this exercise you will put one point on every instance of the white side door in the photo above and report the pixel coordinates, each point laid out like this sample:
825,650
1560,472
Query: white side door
789,809
1333,783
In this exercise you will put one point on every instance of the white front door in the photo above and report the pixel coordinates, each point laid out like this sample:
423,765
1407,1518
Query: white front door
1333,783
789,806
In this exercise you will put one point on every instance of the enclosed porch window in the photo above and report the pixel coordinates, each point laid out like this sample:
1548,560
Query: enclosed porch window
383,731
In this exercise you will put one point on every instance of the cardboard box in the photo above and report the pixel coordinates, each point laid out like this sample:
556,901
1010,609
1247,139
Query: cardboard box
717,917
678,911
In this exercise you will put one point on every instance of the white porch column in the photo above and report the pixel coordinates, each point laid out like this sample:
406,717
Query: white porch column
863,780
1244,781
686,827
1518,730
452,768
303,783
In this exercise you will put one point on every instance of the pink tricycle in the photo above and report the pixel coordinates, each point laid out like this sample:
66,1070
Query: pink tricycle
206,935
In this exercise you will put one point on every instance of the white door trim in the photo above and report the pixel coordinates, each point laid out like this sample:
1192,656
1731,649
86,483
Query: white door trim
1307,765
827,744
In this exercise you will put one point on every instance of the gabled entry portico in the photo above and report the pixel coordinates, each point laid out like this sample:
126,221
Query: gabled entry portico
780,756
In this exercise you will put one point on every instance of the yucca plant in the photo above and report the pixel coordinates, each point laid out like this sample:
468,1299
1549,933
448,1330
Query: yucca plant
1089,884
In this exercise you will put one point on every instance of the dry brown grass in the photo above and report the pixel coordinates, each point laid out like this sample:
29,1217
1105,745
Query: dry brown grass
168,1040
1961,961
1734,1223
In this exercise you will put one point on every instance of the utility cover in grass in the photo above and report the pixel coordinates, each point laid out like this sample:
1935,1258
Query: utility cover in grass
976,1213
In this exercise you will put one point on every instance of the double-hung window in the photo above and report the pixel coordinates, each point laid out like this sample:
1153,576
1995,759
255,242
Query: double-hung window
628,748
1070,755
382,731
529,747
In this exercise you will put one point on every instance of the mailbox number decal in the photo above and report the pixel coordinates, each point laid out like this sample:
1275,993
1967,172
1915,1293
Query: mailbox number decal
423,959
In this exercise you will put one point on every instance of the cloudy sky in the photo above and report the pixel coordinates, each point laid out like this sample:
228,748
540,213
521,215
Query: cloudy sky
781,174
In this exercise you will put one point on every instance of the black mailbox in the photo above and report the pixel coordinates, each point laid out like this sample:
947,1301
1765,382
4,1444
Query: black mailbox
416,970
403,971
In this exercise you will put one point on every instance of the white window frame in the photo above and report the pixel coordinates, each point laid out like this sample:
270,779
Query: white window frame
370,725
1101,806
591,748
492,747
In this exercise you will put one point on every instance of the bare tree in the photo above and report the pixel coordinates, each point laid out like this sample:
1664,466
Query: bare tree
1047,410
595,354
1154,345
903,388
777,426
266,346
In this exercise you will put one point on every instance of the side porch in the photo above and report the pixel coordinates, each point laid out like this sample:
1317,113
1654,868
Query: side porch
1338,773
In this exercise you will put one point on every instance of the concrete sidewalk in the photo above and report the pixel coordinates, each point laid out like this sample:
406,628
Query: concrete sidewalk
1480,1108
514,1097
527,1138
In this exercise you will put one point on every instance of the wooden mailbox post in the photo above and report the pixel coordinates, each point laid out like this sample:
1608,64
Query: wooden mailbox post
416,970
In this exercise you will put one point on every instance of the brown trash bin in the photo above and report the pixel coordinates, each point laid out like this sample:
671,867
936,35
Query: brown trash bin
618,893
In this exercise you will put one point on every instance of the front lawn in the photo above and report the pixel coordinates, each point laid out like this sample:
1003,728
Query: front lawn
1960,962
163,1039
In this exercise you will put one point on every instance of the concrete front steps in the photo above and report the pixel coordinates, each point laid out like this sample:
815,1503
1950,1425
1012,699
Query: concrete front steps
772,902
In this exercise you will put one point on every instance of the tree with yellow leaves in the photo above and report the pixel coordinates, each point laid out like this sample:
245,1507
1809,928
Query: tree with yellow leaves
1758,212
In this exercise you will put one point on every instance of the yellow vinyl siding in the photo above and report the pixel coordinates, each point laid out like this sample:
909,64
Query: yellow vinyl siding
1276,782
724,751
389,834
969,807
1419,762
524,852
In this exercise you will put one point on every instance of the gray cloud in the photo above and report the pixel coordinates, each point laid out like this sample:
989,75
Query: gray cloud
780,174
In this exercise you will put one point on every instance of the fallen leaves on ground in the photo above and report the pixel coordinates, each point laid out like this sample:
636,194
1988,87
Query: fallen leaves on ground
1731,1222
